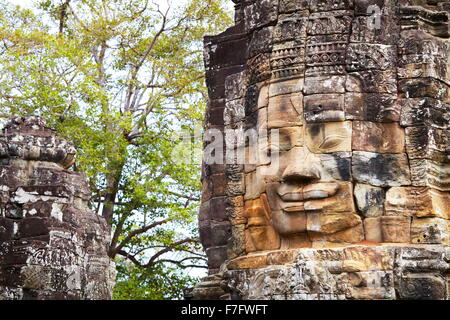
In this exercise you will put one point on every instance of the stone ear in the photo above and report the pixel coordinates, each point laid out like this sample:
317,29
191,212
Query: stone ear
267,211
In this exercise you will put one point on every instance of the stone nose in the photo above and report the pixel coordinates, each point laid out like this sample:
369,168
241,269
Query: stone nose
301,167
301,173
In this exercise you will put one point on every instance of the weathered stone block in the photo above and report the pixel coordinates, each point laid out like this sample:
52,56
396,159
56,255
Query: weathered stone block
255,261
396,229
364,30
296,5
331,223
341,202
284,87
337,166
428,143
372,229
206,190
233,112
423,87
260,13
285,111
378,137
329,5
417,201
372,107
324,84
324,108
291,27
235,86
290,137
430,230
325,55
6,229
255,185
422,287
287,60
370,200
418,112
430,173
236,243
259,69
289,224
376,285
351,235
262,41
363,7
217,209
216,256
235,188
262,238
381,170
255,209
235,210
218,182
422,56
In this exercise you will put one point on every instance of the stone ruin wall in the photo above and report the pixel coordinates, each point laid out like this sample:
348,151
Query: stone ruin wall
384,93
52,246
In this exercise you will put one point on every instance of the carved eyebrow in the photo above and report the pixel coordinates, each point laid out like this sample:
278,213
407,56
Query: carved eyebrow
334,139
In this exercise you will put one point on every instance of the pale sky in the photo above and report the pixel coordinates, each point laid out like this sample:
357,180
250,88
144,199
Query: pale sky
27,3
24,3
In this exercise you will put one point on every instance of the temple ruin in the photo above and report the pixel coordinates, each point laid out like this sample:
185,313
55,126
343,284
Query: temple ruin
52,246
340,110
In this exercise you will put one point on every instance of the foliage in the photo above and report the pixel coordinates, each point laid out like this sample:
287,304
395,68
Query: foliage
161,283
120,78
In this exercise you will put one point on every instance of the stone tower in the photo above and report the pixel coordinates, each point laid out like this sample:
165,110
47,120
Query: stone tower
335,180
52,246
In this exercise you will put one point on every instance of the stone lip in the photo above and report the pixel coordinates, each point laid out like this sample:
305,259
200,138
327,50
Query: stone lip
29,138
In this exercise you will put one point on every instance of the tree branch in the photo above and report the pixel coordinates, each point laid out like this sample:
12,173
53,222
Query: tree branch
123,243
173,246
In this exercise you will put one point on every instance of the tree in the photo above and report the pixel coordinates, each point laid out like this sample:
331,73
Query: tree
119,78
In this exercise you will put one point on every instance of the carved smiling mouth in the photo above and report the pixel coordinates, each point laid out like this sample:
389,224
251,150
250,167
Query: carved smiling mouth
297,198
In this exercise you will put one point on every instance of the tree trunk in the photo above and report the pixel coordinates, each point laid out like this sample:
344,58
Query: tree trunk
112,188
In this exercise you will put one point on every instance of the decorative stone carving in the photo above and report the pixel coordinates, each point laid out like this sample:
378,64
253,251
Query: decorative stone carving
363,56
354,97
417,201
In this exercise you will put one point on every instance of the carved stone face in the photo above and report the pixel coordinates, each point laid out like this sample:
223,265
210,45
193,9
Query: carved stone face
306,187
358,91
363,152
